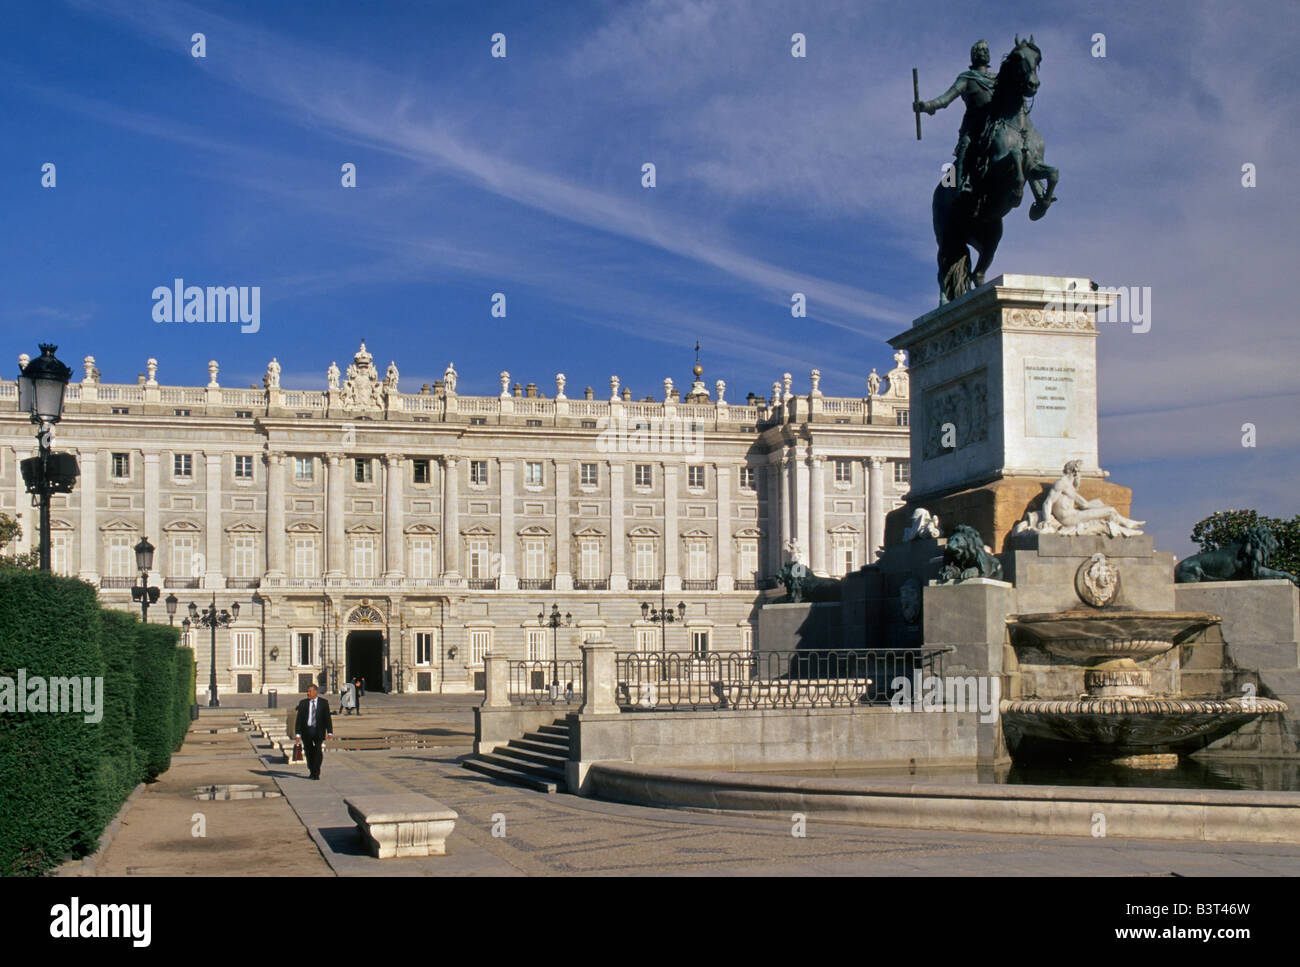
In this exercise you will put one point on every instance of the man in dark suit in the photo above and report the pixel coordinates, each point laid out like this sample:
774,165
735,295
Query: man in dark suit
312,727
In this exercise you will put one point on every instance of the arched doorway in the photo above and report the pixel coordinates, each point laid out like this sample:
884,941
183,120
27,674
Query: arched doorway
364,649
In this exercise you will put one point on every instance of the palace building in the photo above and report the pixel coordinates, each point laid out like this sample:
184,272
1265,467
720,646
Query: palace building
403,536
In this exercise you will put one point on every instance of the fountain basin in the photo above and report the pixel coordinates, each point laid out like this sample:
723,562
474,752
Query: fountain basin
1110,635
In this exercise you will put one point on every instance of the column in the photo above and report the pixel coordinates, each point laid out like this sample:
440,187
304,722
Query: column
772,479
88,530
563,570
334,538
617,535
275,533
212,579
726,580
802,525
672,579
509,539
450,520
817,524
152,499
875,508
394,518
786,485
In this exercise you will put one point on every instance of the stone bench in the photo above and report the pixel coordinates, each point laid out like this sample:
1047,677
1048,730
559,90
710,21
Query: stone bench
402,825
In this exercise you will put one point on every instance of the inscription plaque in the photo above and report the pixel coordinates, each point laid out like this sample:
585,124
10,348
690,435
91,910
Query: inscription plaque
1049,398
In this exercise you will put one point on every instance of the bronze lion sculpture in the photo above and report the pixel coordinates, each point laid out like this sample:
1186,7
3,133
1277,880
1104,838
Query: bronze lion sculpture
1243,560
965,557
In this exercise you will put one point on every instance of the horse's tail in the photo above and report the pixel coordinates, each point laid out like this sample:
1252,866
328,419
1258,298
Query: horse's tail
957,280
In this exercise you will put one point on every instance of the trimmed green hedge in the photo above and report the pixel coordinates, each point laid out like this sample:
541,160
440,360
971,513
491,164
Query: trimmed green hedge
62,778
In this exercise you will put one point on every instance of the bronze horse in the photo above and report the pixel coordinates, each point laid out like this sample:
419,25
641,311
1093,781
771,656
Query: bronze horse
1007,153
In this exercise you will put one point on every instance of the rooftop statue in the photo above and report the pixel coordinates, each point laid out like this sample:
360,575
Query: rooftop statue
998,151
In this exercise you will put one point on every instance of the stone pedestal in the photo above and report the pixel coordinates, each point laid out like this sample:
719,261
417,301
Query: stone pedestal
1004,391
808,624
402,825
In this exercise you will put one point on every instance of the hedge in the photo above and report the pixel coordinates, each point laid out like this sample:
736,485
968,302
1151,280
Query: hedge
62,779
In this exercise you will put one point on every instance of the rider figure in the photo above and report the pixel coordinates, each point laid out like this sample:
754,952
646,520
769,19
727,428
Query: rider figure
975,87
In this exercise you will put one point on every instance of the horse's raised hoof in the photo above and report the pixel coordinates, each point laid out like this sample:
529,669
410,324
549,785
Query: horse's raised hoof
1038,209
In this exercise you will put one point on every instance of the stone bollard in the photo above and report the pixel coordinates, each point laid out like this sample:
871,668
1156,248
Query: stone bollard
496,681
598,678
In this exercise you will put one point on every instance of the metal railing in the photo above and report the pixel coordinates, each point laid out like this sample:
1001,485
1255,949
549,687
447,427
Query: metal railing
591,584
829,678
544,682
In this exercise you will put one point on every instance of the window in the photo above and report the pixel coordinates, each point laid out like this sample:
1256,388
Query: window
644,475
242,561
537,650
122,465
304,468
532,422
243,468
846,546
363,557
480,643
647,639
699,643
60,542
695,477
748,476
180,412
902,471
478,559
243,414
697,561
532,473
643,561
748,569
302,416
121,561
304,557
121,410
478,421
843,470
903,417
590,474
420,471
244,648
478,472
589,424
182,465
589,557
182,560
534,558
305,647
423,647
362,471
421,557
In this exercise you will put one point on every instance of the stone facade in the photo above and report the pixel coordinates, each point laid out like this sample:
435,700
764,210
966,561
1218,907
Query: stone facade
406,535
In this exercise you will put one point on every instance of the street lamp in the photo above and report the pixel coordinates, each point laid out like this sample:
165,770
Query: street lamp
554,621
214,619
41,384
663,616
142,592
170,603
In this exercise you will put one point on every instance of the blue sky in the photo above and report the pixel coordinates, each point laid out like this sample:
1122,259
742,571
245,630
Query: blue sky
775,174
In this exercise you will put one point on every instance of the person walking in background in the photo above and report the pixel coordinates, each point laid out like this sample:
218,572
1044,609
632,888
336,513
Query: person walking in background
348,702
358,689
313,727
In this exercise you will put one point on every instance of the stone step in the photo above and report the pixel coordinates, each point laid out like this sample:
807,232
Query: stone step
538,743
529,755
507,761
513,777
561,729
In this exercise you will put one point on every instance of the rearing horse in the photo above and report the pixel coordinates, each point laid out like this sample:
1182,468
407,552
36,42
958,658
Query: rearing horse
1007,153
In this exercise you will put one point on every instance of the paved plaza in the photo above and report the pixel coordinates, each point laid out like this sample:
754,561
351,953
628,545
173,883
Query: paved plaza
406,744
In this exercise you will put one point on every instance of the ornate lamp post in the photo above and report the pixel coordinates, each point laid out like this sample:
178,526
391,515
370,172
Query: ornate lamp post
663,616
211,618
142,592
41,385
170,602
554,621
